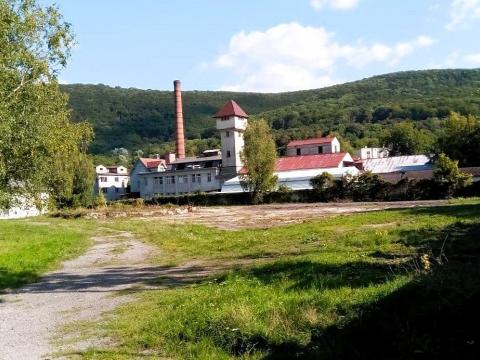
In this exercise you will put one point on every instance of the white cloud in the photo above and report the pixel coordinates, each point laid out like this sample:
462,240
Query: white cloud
292,57
334,4
462,12
450,61
473,59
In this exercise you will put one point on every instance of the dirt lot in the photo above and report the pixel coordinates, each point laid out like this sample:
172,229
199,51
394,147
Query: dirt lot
262,216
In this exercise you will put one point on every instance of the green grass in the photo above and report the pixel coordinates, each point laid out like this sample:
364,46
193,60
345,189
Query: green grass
345,287
30,247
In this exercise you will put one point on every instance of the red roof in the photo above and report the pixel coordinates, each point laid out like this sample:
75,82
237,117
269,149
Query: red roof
231,108
303,162
151,163
316,141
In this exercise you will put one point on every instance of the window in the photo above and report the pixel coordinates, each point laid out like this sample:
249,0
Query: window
117,190
299,151
116,178
158,180
183,179
173,179
209,177
105,190
103,179
193,178
227,133
199,178
228,154
320,149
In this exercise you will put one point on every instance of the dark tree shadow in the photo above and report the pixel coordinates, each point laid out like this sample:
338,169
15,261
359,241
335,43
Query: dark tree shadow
435,317
109,279
12,279
308,274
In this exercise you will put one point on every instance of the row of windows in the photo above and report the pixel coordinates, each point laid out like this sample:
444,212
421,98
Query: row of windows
320,150
181,179
105,179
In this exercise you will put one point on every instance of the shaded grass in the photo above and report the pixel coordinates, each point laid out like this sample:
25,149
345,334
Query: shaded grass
334,289
30,247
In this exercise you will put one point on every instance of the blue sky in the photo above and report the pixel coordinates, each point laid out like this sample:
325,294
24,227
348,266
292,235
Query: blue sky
264,45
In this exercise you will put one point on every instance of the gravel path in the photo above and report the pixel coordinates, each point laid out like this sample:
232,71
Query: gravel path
32,318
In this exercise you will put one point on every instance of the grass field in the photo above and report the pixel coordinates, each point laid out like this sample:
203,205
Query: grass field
389,284
30,247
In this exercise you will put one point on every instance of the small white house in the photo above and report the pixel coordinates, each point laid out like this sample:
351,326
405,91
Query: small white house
112,181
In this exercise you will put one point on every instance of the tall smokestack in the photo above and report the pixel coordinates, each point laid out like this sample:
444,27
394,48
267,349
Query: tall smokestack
180,136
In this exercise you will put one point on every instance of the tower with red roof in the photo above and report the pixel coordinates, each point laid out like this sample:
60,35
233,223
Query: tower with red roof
231,123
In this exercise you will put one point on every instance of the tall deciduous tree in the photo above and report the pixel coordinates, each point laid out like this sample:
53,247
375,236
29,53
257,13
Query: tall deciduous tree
460,139
259,157
404,139
39,146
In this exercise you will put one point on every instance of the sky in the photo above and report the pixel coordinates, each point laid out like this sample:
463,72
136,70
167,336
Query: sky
264,45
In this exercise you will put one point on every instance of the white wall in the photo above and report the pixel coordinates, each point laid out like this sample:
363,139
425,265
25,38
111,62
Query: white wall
24,207
231,136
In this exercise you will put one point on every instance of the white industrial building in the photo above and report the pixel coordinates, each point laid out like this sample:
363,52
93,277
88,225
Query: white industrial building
306,159
175,174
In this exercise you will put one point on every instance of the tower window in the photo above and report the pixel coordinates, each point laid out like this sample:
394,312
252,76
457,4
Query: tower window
299,151
228,154
227,133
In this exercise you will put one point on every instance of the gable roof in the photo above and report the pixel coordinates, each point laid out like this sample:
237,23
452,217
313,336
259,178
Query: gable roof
317,161
231,108
315,141
152,163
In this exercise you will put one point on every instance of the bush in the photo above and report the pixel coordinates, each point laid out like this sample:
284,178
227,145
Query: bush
367,187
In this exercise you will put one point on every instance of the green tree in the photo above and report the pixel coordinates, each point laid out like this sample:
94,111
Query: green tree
39,146
447,174
460,139
259,157
404,139
83,182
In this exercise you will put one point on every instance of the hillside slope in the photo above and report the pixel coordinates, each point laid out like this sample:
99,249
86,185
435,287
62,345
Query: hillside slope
133,118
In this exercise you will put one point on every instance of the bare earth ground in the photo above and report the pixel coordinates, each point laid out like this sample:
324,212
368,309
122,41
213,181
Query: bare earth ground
32,318
263,216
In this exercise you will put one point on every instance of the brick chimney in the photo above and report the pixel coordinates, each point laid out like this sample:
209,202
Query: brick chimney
180,136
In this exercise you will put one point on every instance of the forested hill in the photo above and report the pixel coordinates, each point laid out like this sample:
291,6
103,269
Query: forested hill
139,119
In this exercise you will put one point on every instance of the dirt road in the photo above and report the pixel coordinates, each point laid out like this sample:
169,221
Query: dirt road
32,318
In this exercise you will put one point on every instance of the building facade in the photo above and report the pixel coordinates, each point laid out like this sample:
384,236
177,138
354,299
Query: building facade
112,181
323,145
